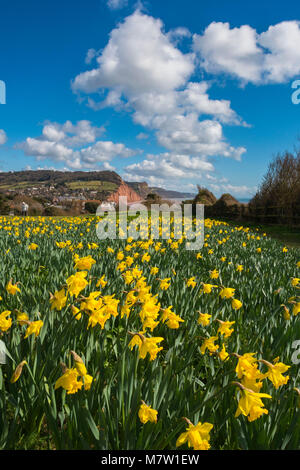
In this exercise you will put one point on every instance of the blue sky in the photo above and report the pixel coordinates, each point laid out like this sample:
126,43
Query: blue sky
175,93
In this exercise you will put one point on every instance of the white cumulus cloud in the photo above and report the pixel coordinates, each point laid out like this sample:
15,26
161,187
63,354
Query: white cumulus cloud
116,4
138,57
3,137
272,56
166,168
67,143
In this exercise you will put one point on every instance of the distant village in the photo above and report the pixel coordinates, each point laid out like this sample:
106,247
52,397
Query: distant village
56,200
59,193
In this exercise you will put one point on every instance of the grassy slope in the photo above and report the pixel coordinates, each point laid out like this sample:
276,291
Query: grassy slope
289,236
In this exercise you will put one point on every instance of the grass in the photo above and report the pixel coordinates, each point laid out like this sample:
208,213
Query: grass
22,185
92,185
285,234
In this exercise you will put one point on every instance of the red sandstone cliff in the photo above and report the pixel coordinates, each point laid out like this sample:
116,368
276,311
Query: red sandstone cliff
124,190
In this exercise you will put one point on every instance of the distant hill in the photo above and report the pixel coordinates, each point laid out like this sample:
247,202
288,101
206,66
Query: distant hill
143,189
57,188
37,177
169,194
61,192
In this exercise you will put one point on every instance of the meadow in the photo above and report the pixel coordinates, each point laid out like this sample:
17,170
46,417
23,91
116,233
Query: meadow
143,344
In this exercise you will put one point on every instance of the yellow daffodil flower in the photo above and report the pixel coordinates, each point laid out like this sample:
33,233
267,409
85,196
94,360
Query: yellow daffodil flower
146,413
196,436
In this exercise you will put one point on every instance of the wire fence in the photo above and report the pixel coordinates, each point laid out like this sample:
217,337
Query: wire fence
276,214
286,214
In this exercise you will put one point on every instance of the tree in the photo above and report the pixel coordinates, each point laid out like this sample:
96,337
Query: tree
278,197
91,207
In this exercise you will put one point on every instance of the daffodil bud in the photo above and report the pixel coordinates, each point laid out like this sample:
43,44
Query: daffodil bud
17,372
